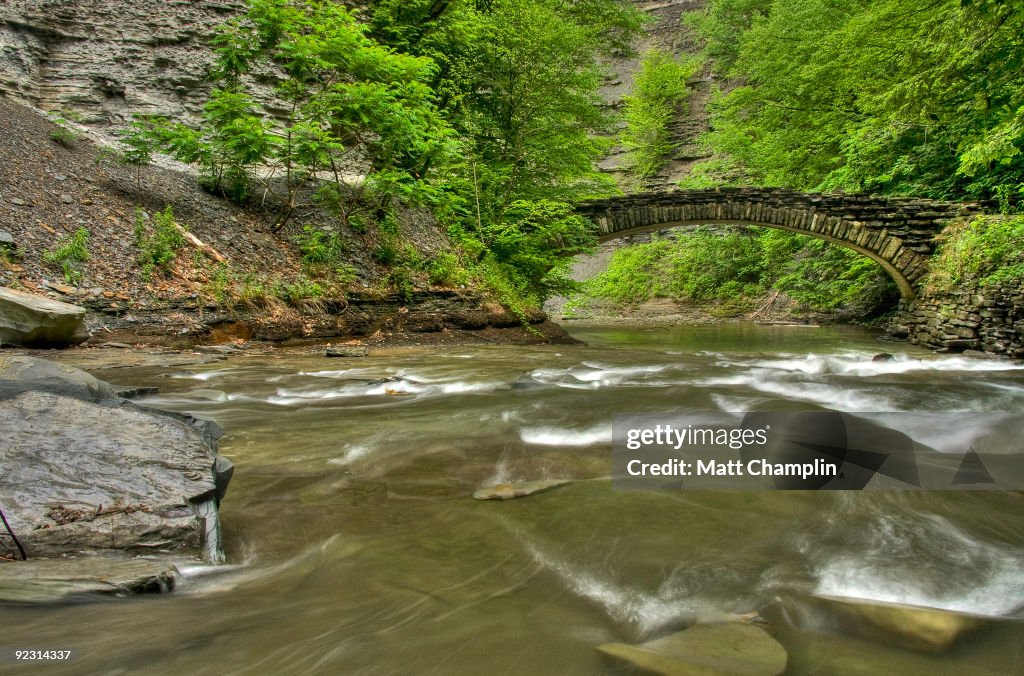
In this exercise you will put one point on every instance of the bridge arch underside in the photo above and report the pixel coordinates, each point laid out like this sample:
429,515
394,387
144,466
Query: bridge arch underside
903,264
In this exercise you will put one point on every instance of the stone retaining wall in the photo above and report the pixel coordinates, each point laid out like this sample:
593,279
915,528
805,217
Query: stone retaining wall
987,318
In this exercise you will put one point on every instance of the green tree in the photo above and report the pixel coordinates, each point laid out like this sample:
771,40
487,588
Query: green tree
895,96
344,103
519,81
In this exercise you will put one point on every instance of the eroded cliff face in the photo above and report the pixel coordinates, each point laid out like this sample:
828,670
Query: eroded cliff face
105,60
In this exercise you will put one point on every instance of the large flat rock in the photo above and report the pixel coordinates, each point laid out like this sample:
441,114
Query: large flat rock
63,580
91,480
918,628
83,476
86,471
519,490
29,320
728,648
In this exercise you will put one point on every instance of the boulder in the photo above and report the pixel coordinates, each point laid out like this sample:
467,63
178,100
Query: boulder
518,490
728,648
20,373
29,320
85,471
83,476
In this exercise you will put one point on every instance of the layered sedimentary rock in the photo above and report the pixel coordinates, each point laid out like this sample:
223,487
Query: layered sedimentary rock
88,473
37,321
105,61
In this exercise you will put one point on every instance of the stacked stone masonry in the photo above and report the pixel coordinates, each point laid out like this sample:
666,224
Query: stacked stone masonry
899,233
987,318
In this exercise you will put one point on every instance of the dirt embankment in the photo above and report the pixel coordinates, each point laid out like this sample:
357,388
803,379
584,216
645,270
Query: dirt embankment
54,182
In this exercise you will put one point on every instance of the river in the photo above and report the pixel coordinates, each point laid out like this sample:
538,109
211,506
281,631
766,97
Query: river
355,546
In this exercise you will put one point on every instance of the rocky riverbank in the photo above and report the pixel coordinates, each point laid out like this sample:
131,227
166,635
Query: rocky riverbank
425,318
50,190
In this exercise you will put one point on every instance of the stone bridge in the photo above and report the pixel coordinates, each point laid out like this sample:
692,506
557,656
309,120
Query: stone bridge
898,233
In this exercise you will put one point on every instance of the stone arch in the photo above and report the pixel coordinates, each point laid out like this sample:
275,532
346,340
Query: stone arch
899,234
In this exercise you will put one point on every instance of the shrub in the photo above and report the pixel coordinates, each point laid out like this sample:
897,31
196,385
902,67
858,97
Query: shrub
659,91
446,270
62,134
732,267
345,274
319,246
69,253
300,290
400,279
157,246
218,285
387,251
986,249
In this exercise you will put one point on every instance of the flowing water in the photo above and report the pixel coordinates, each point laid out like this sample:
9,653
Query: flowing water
355,546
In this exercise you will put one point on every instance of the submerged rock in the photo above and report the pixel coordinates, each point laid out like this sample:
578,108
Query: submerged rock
704,650
87,472
911,627
29,320
346,351
62,580
518,490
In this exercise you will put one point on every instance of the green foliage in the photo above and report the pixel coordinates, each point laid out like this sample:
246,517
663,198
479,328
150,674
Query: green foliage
230,288
634,274
701,265
532,241
139,146
358,223
986,250
62,133
255,291
345,275
345,96
158,244
387,251
487,112
318,246
505,284
445,269
518,80
218,285
893,96
714,172
722,23
825,277
300,291
735,266
69,254
400,279
659,92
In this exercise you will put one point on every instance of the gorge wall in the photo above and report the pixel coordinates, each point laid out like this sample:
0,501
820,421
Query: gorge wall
101,61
